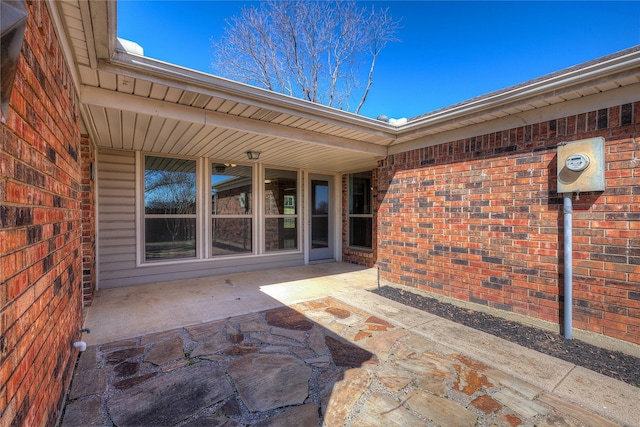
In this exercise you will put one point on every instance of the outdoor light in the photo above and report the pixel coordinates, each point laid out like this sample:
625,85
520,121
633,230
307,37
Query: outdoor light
253,155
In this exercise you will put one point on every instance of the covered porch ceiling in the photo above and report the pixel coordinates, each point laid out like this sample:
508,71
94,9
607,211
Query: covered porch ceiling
130,102
183,112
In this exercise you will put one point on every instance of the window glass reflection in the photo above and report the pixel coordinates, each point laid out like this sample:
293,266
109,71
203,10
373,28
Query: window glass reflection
231,209
281,234
281,210
231,236
169,208
360,210
231,189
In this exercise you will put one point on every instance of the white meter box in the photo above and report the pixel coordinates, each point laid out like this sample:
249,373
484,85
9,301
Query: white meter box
581,166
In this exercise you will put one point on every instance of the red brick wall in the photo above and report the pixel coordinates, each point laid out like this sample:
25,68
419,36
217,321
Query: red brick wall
40,239
87,152
480,220
357,255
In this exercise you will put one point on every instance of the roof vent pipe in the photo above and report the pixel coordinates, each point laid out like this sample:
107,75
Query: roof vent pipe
398,122
130,47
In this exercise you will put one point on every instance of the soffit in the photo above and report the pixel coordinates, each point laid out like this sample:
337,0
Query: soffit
127,109
133,102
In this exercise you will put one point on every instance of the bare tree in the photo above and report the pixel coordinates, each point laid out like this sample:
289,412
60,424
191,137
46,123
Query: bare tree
307,49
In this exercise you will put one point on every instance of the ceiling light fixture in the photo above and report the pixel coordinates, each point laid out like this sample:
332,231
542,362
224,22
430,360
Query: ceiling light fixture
253,155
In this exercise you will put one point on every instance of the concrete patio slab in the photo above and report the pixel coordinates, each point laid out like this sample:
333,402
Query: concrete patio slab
601,394
543,371
138,310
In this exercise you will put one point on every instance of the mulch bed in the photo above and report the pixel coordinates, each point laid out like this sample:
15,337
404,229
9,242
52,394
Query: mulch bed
613,364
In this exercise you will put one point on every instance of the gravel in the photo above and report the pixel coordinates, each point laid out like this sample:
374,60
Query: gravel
611,363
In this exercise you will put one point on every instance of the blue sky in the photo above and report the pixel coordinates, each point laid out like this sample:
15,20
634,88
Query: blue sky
448,51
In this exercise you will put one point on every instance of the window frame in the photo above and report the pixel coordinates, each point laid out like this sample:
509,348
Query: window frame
210,215
265,216
351,215
142,215
204,215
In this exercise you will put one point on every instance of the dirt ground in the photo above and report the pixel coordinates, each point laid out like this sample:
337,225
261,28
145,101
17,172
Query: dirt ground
613,364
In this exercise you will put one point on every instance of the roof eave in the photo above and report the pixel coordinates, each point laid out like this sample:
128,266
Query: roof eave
141,66
596,72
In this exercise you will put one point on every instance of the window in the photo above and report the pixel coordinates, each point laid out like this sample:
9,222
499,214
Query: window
169,208
360,210
231,209
197,209
281,209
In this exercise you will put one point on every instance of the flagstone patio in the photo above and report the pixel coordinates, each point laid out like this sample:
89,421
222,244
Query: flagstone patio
349,359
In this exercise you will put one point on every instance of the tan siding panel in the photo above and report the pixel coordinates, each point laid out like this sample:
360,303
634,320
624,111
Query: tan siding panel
116,207
118,260
162,273
117,176
114,191
116,251
119,209
120,241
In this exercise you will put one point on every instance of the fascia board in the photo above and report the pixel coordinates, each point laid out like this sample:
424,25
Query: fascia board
63,39
85,13
103,22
